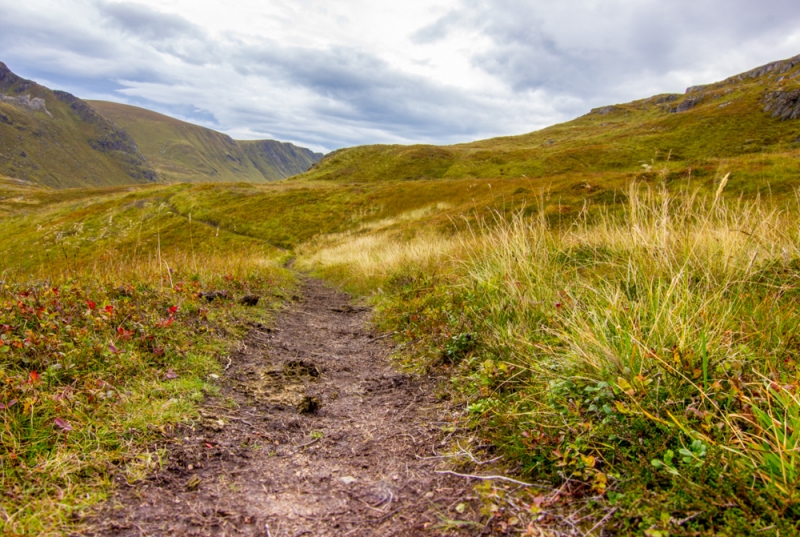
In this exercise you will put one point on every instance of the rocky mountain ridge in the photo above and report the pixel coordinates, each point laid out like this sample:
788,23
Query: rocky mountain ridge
184,152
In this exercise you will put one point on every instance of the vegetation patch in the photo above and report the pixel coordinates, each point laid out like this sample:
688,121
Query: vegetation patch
642,358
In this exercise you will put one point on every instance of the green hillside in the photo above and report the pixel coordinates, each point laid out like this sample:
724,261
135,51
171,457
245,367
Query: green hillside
183,152
746,116
55,139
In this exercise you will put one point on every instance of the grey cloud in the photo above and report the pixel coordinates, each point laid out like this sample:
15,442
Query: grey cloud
595,49
147,23
438,30
164,32
364,88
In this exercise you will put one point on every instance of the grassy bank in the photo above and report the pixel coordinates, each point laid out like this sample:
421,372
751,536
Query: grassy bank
642,358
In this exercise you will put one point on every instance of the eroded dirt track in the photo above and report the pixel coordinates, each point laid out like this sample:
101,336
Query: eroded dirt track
315,433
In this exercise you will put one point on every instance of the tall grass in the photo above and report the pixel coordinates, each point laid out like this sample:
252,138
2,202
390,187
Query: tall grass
645,355
375,251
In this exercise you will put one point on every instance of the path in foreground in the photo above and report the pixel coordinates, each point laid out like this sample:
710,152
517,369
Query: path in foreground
265,462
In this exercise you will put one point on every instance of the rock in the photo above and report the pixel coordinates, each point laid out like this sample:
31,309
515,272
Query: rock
687,104
603,110
665,99
25,101
249,300
783,104
211,296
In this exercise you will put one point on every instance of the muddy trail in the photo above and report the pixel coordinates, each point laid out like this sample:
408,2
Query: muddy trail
314,433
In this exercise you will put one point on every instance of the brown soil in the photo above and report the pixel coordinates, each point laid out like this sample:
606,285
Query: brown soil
315,433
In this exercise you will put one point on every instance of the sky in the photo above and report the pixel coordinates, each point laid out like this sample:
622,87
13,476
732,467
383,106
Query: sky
331,74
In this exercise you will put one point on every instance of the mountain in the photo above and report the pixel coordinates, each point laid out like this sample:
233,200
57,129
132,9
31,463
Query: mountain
55,139
741,117
184,152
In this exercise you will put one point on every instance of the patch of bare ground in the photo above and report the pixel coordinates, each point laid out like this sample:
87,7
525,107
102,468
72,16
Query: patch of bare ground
315,433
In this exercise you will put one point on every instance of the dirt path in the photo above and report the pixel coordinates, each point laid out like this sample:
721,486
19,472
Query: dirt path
314,434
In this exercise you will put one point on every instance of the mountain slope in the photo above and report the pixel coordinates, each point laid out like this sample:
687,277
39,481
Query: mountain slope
55,139
185,152
743,116
277,160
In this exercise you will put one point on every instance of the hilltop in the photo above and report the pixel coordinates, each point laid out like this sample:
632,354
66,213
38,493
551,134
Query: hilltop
744,116
183,152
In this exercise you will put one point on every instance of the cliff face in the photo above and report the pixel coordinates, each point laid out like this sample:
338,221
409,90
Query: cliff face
276,160
55,139
185,152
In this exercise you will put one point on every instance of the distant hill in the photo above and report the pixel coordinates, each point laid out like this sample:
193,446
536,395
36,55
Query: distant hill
184,152
55,139
749,114
52,138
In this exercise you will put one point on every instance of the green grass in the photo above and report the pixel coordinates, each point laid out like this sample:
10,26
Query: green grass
94,372
99,310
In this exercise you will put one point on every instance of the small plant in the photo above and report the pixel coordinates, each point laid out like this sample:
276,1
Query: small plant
458,346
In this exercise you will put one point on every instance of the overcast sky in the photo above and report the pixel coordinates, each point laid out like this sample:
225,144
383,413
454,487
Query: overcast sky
335,73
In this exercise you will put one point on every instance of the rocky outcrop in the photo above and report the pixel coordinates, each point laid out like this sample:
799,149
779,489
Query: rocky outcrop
278,160
663,99
112,137
783,104
687,104
25,101
604,110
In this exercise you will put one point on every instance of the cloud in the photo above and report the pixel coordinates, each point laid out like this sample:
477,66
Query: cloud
598,49
476,68
437,30
147,23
